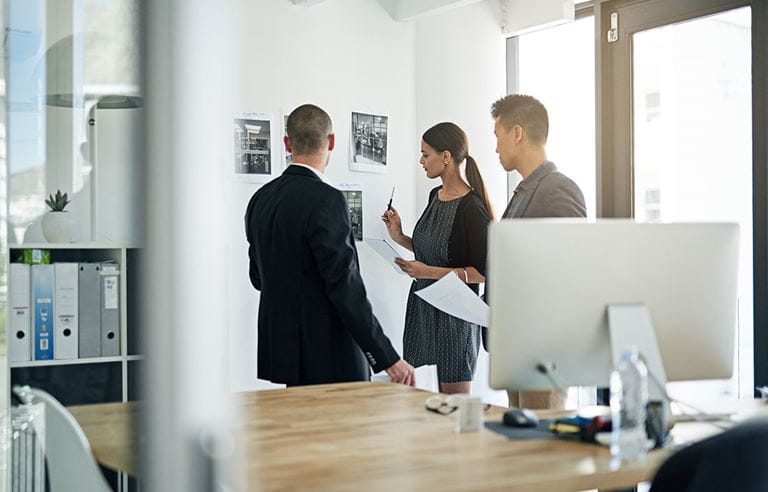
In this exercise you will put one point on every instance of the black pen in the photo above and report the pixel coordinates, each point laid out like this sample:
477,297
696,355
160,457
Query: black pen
389,205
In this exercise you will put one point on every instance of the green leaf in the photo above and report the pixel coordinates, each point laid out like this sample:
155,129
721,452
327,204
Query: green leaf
58,202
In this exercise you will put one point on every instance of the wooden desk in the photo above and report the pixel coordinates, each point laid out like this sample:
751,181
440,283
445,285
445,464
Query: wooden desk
111,429
378,436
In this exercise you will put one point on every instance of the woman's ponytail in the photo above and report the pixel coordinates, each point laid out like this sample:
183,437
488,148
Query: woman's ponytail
476,182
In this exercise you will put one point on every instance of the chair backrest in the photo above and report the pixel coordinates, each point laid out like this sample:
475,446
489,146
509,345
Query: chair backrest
737,459
71,465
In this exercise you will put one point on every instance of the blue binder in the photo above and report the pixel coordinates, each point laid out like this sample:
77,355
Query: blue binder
42,314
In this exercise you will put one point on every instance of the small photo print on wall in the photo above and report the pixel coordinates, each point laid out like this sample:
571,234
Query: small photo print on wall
353,193
253,147
368,142
287,156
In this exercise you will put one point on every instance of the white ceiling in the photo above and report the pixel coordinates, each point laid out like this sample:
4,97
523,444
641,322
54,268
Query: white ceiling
516,16
404,10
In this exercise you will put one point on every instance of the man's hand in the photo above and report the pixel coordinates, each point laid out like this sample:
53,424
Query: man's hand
402,372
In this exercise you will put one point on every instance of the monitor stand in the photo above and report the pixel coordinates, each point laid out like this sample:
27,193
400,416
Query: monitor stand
630,325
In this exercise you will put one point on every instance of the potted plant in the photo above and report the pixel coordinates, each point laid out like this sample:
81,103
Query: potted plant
57,223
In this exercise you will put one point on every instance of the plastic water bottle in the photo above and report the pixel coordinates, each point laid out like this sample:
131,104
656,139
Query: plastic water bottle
629,397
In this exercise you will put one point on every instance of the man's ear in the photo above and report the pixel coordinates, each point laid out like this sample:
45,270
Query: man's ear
287,143
517,133
331,141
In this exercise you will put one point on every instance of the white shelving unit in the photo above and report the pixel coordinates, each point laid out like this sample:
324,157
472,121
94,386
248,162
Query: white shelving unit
126,257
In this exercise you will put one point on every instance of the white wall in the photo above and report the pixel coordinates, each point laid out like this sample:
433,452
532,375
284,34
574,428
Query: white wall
340,54
460,72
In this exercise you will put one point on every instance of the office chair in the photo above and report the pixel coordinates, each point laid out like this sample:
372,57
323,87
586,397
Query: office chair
733,460
71,465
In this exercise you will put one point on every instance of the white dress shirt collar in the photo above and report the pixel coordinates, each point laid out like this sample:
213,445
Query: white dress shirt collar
320,175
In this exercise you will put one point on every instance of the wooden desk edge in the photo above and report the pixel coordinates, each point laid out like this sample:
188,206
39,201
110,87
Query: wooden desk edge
111,432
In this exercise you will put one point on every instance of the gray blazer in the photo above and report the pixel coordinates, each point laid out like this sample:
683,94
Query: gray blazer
546,193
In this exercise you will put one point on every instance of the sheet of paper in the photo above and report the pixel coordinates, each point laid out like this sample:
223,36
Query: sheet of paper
452,296
386,251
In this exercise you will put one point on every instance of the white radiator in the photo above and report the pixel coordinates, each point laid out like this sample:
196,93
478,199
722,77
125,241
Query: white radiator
27,445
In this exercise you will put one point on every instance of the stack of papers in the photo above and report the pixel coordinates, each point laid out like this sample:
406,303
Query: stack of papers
452,296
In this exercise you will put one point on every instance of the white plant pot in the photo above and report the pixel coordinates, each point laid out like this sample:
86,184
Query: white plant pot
58,226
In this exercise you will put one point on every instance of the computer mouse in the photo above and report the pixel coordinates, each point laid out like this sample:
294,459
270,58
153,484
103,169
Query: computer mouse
520,417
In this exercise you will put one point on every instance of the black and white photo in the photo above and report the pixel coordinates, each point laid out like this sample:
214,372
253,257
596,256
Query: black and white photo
353,193
368,142
287,156
253,146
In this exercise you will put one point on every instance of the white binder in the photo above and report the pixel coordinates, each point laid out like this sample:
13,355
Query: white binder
66,305
20,315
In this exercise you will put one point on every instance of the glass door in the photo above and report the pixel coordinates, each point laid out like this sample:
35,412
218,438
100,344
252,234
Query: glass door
692,121
677,108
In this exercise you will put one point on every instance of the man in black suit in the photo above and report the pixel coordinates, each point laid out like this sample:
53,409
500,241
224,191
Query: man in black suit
315,322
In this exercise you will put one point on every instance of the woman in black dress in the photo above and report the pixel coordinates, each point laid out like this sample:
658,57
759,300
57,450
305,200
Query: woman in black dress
449,238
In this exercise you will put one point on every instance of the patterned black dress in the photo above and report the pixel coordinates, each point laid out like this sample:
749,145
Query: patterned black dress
449,234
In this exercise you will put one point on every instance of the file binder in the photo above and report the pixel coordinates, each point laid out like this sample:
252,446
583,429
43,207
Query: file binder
20,322
66,304
89,302
42,311
110,309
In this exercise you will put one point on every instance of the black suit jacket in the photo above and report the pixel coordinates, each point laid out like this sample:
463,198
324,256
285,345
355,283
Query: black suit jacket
314,315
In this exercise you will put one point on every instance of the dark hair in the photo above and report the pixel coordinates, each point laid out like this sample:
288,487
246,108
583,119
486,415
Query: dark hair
448,136
308,127
526,111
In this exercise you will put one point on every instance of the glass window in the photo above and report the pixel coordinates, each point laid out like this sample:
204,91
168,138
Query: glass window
693,149
557,67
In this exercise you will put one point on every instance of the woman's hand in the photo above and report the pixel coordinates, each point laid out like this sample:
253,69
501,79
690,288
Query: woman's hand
415,269
392,220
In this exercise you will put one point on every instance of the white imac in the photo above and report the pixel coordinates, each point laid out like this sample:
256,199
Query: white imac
551,283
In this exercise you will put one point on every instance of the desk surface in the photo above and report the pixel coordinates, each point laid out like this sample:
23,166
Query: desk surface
378,435
111,431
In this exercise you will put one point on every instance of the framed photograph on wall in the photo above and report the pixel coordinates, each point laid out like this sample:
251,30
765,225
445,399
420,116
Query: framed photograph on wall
353,193
253,143
368,142
287,156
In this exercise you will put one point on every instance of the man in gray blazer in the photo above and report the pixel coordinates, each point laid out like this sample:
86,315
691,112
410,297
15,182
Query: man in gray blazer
521,128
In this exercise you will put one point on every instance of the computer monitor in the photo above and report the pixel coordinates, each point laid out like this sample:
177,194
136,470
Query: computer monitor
550,282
